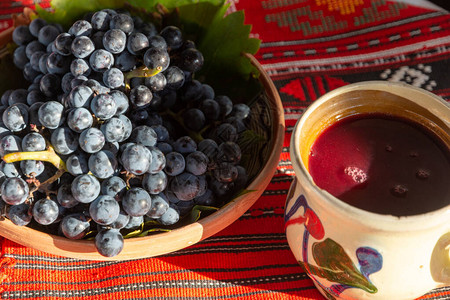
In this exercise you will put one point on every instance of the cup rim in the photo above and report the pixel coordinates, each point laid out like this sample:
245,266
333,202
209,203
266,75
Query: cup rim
338,207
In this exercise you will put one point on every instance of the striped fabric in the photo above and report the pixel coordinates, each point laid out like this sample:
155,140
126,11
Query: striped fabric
309,48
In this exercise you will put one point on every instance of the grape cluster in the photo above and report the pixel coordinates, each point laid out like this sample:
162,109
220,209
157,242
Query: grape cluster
135,136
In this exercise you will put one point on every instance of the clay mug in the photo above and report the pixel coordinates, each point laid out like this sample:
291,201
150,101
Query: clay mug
351,253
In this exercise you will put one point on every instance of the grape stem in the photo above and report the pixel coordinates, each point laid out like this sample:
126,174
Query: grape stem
48,155
140,72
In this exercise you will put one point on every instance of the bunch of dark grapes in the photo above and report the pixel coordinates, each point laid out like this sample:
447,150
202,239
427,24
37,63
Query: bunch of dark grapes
114,130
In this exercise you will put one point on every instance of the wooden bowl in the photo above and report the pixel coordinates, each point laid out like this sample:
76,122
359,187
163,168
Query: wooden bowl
269,113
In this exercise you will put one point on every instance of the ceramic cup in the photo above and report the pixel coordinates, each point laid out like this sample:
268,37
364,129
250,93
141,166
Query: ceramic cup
350,253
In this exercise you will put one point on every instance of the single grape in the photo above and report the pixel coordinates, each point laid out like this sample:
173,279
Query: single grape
20,58
144,135
63,44
240,111
113,130
35,96
185,145
91,140
102,164
58,64
75,226
51,114
77,164
225,172
185,186
101,60
155,183
32,168
64,140
79,67
128,127
157,41
109,242
79,119
103,106
113,186
10,169
112,147
229,152
114,41
50,85
225,132
173,37
210,109
18,96
158,160
134,223
82,46
170,217
36,25
192,91
191,60
123,22
81,96
81,28
197,163
175,163
22,35
225,105
11,143
121,100
125,61
137,43
104,210
113,78
156,83
100,20
19,214
208,199
136,159
157,58
45,211
15,117
85,188
141,96
194,119
64,196
159,206
175,77
136,202
164,147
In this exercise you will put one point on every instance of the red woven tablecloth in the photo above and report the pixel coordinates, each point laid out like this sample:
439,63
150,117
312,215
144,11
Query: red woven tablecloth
309,48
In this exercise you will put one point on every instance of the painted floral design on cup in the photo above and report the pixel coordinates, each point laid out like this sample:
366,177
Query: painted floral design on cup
332,262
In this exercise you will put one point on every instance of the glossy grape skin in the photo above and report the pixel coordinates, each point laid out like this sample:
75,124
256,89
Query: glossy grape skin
85,188
113,186
35,96
20,58
103,106
58,64
79,119
156,83
51,114
75,226
36,25
136,159
113,78
79,67
170,217
10,143
101,60
185,186
159,206
45,211
104,210
80,96
197,163
19,214
191,91
210,109
137,43
100,20
47,34
128,127
192,60
14,191
15,117
185,145
64,196
109,242
33,141
225,172
102,164
81,28
77,164
225,104
114,41
32,168
34,61
144,135
63,43
18,96
82,46
113,130
158,160
136,202
141,96
157,58
121,100
155,183
22,35
240,111
64,140
175,163
91,140
225,132
175,77
50,85
194,119
173,37
10,169
123,22
229,152
134,223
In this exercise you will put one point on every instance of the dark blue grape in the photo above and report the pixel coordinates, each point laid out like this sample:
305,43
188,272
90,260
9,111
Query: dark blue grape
113,186
134,223
29,73
58,64
194,119
156,83
32,168
175,163
81,28
100,20
191,60
164,147
91,140
64,140
185,145
36,25
43,63
191,91
123,22
159,206
45,211
15,117
207,199
104,210
136,202
185,186
125,61
101,60
109,242
33,141
173,37
103,106
81,96
225,132
157,58
137,43
114,41
240,111
122,102
79,119
225,104
155,183
229,152
18,96
63,44
77,164
82,46
102,164
79,67
85,188
20,58
197,163
22,35
34,47
35,96
141,96
10,170
75,226
170,217
144,135
64,196
51,114
19,214
113,130
113,78
136,159
128,127
48,34
50,85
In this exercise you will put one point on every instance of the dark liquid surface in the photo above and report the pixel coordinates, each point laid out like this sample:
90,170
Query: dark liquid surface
383,165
